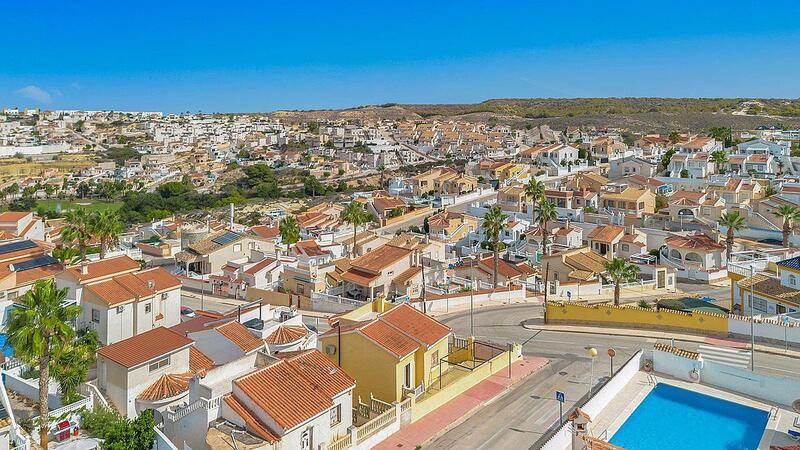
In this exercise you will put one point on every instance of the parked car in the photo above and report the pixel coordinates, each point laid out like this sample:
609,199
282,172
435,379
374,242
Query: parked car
187,312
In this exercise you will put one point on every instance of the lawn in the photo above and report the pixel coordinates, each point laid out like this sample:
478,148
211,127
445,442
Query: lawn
90,205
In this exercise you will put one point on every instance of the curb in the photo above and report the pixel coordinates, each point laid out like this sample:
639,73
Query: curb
480,406
682,338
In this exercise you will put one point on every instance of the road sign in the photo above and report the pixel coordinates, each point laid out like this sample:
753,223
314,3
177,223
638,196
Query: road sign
560,396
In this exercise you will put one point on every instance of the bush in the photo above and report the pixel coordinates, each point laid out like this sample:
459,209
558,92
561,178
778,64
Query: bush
643,304
118,432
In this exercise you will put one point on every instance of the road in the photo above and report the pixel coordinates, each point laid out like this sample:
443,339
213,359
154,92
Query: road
521,416
461,207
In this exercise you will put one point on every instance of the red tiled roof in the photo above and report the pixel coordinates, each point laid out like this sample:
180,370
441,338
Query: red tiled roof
265,231
257,267
252,423
390,338
144,347
606,233
293,390
286,334
416,324
694,241
199,361
166,386
238,334
105,267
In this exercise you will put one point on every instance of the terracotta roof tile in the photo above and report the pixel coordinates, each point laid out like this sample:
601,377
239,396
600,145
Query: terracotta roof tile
255,268
694,241
606,233
144,347
105,267
239,335
389,338
166,386
286,334
380,258
416,324
252,424
199,361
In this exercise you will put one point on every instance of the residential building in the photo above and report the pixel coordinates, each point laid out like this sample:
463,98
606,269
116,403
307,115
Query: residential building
388,270
627,200
699,145
211,254
24,262
24,225
632,165
770,293
763,146
389,353
696,251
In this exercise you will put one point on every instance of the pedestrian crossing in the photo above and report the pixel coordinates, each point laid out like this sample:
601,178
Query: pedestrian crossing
724,355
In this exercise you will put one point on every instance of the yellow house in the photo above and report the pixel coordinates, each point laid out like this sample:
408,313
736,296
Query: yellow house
508,171
388,351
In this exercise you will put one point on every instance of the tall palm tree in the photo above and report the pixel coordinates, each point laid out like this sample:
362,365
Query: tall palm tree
546,211
534,191
78,228
67,255
789,214
620,271
382,170
355,214
36,331
289,230
733,222
107,226
719,158
493,223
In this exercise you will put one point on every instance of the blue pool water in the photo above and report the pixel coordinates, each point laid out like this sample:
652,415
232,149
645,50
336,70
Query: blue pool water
677,419
8,351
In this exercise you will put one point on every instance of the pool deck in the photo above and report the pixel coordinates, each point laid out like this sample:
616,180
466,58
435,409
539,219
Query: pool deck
622,406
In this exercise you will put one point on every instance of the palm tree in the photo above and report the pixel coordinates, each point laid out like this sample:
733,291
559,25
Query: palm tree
290,230
107,226
382,170
546,212
37,330
67,255
355,214
78,228
789,214
620,271
719,158
493,223
534,191
733,222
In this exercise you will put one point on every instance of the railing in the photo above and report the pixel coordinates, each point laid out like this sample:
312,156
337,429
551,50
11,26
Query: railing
342,443
203,403
378,406
405,405
12,363
376,424
91,389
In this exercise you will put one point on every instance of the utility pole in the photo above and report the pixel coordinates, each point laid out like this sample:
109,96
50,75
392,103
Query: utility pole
752,321
546,276
422,262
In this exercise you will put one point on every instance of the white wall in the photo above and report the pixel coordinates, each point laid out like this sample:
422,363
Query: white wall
674,365
765,331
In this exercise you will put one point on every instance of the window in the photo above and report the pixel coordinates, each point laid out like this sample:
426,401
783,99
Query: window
163,362
164,296
407,381
95,315
336,415
759,304
237,247
792,280
625,247
434,359
147,308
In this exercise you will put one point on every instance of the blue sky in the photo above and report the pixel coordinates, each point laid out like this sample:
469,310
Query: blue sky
260,56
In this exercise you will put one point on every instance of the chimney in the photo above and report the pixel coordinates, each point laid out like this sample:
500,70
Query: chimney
151,284
84,268
631,229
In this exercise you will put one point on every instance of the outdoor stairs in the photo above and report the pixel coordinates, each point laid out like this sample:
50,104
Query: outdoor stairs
729,356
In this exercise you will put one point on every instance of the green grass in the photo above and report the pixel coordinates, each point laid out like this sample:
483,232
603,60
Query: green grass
89,205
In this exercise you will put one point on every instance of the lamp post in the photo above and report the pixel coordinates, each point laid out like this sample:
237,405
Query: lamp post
752,321
471,297
592,352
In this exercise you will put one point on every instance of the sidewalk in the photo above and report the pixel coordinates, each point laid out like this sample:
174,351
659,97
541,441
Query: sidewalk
665,335
462,407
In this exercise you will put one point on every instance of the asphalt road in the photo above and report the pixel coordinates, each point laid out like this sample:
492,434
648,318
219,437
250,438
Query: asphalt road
520,417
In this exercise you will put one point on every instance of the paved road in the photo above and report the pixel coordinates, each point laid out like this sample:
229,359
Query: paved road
521,416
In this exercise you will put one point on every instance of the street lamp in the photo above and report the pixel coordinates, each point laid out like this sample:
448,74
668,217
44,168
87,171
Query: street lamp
592,352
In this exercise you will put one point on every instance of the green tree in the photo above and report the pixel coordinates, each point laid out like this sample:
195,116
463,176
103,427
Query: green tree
493,223
38,329
289,230
67,255
733,222
534,192
620,271
723,134
667,158
684,173
312,186
70,365
83,190
106,226
720,158
355,214
78,229
789,214
382,171
546,211
769,191
674,137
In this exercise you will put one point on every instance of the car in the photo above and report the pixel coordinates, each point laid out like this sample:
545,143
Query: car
187,312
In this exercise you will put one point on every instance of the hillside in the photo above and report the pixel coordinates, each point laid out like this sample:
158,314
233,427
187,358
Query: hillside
638,114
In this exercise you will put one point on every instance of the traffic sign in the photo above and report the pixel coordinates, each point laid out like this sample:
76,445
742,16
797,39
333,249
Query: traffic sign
560,396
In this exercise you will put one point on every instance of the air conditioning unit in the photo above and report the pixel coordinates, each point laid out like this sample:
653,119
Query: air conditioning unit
330,349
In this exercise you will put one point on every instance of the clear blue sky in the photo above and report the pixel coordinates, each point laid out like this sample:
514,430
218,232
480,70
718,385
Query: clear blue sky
260,56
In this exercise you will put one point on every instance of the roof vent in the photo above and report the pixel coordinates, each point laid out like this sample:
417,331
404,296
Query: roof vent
151,284
84,268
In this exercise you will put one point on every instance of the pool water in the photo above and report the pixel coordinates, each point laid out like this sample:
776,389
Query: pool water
677,419
8,351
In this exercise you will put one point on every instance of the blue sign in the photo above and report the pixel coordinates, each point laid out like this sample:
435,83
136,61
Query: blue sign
560,396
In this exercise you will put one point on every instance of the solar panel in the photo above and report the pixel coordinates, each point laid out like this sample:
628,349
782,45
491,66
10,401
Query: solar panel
226,238
14,246
34,263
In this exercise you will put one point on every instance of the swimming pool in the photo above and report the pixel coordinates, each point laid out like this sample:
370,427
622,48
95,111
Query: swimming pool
8,351
677,419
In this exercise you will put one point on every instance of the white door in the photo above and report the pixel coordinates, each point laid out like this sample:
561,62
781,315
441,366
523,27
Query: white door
305,439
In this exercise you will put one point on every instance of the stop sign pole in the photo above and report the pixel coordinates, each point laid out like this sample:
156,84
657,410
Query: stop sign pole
611,354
